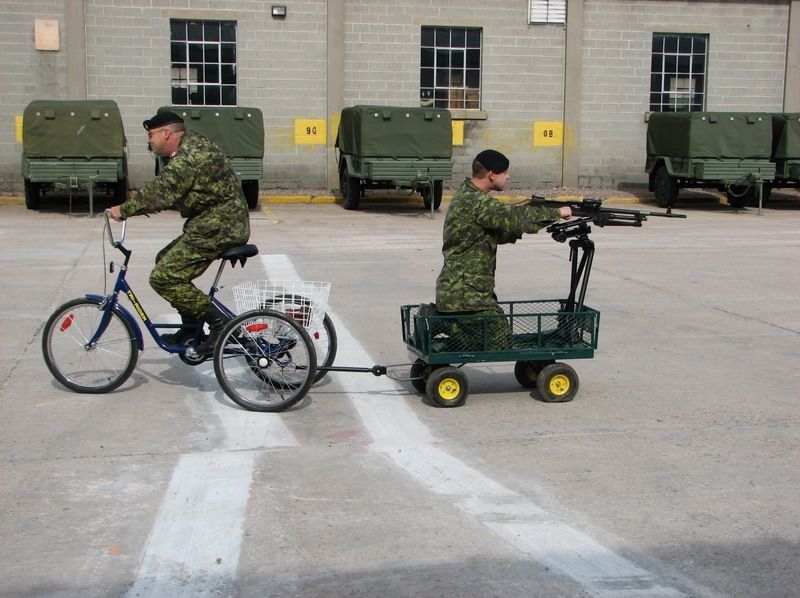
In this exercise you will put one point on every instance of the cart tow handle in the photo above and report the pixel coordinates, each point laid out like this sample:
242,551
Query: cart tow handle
375,370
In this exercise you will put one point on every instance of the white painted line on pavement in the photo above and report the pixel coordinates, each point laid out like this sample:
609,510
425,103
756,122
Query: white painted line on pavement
193,548
400,436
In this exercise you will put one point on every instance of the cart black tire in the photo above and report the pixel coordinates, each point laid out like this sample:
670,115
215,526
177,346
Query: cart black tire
33,194
420,372
250,190
437,195
740,196
264,361
557,383
94,371
526,372
665,187
350,187
447,387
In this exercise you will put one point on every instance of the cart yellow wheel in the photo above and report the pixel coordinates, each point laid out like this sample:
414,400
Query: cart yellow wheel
447,387
557,383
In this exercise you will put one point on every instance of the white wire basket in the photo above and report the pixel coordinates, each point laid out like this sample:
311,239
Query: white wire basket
305,301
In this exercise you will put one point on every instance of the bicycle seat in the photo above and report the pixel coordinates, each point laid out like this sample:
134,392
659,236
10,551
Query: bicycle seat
239,253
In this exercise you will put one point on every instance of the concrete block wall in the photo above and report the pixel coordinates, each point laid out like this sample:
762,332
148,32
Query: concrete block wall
746,63
280,69
522,74
25,74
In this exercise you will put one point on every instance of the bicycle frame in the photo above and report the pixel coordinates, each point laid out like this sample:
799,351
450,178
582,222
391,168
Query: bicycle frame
110,302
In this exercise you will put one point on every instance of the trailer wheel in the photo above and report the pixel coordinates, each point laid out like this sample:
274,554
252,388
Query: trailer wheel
766,193
351,189
740,196
666,188
557,383
448,387
250,190
121,190
33,193
420,372
526,372
437,195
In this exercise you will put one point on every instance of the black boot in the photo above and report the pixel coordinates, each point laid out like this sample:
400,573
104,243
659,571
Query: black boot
180,336
216,321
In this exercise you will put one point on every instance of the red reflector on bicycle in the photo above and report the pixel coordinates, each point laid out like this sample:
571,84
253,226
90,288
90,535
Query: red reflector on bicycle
253,328
66,323
316,336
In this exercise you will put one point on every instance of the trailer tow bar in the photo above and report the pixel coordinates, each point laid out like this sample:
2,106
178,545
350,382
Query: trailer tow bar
375,370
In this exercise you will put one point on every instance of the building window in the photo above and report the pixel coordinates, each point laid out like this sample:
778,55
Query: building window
678,72
548,11
450,68
203,56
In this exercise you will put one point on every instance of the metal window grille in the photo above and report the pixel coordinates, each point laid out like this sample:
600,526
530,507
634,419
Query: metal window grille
548,11
678,72
203,57
450,67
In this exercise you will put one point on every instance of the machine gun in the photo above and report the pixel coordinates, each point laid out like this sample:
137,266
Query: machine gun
591,211
584,213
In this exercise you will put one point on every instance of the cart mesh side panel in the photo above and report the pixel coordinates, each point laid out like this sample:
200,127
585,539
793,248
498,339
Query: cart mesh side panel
528,330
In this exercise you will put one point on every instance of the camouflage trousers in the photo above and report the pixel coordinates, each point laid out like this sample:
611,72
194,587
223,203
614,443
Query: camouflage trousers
482,331
177,265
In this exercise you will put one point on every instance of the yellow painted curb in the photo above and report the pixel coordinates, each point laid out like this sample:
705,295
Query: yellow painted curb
11,201
298,199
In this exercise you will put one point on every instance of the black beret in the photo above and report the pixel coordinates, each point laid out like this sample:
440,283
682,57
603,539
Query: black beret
162,119
493,161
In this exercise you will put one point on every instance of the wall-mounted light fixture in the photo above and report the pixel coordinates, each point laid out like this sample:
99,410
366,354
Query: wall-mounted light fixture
278,11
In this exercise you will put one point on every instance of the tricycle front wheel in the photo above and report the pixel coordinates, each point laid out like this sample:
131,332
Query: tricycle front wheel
96,368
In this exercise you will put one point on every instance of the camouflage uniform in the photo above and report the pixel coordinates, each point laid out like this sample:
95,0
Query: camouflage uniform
200,183
475,225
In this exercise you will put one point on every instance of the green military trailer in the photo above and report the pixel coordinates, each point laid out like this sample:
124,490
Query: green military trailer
75,143
727,150
786,149
239,132
390,147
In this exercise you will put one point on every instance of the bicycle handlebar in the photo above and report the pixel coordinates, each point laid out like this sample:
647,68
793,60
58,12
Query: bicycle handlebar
121,240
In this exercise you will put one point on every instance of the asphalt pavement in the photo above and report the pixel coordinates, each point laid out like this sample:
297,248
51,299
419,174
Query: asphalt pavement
672,473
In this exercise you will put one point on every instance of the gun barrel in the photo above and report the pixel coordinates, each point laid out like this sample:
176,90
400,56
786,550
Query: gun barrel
592,207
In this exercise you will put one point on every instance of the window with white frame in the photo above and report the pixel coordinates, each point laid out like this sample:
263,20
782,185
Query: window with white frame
547,11
203,57
678,72
450,68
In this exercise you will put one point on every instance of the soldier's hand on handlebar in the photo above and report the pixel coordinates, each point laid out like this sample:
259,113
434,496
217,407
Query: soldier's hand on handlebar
115,213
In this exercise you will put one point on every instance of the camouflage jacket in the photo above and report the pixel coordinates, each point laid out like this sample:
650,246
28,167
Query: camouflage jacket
200,183
476,223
